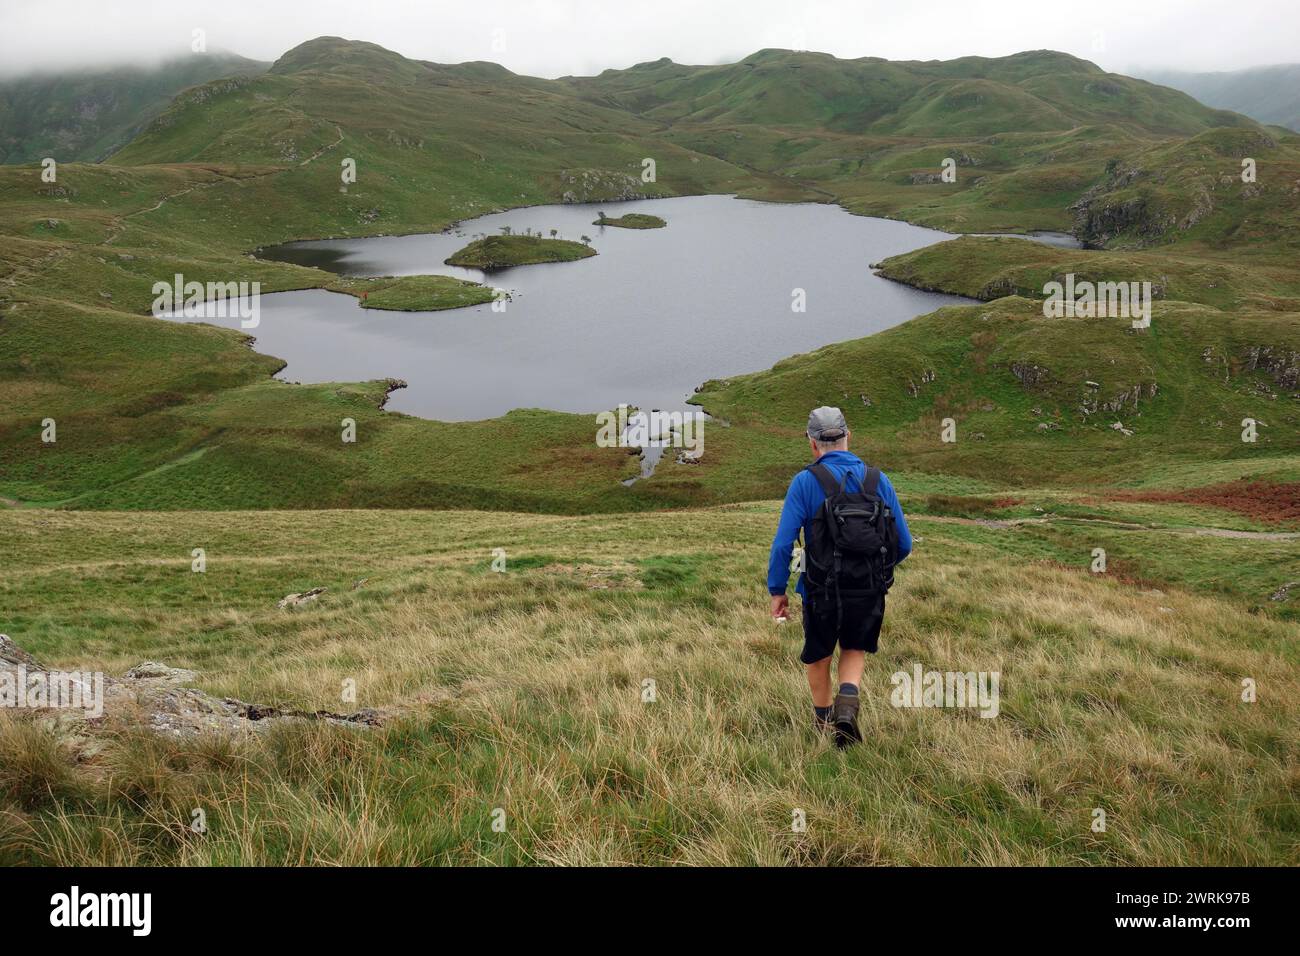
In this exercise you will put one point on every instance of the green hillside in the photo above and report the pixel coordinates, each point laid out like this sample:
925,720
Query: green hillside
187,417
1035,400
1034,91
84,116
524,691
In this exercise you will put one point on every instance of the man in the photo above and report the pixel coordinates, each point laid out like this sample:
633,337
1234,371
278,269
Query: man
830,617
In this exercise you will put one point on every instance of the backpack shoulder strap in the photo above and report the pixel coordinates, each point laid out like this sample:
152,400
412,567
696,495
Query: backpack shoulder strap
870,480
825,478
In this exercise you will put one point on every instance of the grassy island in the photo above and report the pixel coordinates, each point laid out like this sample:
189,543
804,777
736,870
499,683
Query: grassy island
633,220
416,293
502,252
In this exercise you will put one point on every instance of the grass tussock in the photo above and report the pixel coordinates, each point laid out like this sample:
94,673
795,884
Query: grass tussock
527,732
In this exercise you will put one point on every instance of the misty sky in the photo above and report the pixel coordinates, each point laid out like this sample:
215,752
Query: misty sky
558,37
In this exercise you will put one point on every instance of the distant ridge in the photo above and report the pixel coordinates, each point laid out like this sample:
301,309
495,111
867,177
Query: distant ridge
1270,94
1036,90
87,115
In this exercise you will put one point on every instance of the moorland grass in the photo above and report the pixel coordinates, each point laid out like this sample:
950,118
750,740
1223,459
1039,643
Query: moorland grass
523,691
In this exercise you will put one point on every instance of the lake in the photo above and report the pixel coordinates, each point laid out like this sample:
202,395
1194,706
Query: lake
655,314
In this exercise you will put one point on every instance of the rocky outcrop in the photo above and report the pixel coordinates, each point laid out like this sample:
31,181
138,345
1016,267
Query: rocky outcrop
1282,365
998,287
1282,593
293,600
1112,209
403,141
1098,219
1239,143
1102,88
159,698
600,185
152,670
1128,398
391,385
1202,206
914,388
1029,374
198,96
11,653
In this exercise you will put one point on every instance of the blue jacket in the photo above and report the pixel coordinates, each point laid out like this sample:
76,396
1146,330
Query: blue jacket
803,500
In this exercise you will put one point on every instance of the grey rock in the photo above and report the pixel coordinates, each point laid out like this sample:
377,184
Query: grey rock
293,600
1284,592
11,653
154,695
1029,374
152,670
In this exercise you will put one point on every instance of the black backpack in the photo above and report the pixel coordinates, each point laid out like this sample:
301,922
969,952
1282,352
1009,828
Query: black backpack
852,545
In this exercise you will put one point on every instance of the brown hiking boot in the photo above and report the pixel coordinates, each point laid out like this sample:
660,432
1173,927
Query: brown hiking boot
844,715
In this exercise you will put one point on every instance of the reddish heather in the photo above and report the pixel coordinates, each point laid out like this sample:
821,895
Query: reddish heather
1274,502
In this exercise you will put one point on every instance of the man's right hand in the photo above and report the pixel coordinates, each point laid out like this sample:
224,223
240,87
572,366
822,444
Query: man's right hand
780,607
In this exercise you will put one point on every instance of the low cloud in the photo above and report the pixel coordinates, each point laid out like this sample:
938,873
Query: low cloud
558,37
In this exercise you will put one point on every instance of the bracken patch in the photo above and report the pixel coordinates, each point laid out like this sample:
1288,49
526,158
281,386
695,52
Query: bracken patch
1274,502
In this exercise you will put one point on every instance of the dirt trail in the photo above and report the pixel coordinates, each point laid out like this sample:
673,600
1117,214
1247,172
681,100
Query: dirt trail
119,224
1120,525
324,149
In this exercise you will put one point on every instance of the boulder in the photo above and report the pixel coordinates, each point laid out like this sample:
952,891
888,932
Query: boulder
158,697
293,600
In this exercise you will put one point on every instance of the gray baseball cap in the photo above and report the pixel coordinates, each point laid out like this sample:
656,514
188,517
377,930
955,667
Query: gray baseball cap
827,424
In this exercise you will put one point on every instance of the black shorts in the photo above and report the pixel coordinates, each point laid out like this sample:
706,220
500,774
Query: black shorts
859,630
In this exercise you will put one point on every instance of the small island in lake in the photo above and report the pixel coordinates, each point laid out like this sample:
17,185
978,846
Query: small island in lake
633,220
415,293
502,252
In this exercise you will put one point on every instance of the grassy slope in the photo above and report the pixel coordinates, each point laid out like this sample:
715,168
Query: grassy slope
83,256
1026,91
452,142
1030,132
1012,430
1221,255
523,691
83,116
987,268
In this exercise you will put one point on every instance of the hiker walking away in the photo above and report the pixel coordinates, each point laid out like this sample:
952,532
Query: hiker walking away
854,533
